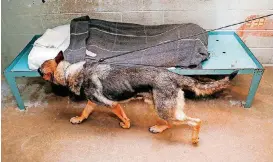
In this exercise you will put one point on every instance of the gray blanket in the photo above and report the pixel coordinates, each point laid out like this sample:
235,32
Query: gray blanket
91,37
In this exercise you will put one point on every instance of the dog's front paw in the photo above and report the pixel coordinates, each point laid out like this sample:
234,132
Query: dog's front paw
76,120
125,125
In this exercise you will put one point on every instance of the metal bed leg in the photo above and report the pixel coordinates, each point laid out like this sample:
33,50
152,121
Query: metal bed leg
257,76
14,89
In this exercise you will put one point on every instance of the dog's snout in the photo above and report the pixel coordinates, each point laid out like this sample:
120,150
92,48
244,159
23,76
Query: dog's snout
40,72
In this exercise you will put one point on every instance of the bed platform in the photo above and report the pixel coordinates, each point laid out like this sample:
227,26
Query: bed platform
227,54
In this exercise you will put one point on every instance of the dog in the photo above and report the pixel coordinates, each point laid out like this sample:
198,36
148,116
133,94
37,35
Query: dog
109,85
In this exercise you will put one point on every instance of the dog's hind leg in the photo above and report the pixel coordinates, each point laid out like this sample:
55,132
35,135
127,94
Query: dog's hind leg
85,113
119,112
170,108
195,123
181,118
164,101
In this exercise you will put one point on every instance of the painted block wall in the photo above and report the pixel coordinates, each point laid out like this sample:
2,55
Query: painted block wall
21,19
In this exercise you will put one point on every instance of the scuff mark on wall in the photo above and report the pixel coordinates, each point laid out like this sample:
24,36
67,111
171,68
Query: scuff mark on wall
261,27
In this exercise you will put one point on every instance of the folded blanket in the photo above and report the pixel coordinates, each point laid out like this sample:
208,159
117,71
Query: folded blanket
103,39
49,45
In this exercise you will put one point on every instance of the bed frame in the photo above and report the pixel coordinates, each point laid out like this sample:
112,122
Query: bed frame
227,54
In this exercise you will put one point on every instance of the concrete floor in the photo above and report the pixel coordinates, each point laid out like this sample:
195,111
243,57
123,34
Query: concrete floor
228,133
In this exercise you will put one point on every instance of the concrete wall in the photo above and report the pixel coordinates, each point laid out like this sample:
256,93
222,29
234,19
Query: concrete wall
21,19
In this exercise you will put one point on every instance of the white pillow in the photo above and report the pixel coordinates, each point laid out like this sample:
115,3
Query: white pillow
63,29
38,55
50,39
49,45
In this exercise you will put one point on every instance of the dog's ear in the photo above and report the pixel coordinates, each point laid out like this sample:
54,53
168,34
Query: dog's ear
59,57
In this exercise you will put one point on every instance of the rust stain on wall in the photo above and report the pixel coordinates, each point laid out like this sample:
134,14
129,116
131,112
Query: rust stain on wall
260,27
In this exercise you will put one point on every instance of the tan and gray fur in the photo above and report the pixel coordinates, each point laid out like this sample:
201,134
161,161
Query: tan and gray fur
111,84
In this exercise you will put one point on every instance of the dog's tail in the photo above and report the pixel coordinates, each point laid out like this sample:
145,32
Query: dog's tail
206,88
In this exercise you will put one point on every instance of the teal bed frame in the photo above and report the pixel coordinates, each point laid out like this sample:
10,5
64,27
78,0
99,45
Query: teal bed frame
228,53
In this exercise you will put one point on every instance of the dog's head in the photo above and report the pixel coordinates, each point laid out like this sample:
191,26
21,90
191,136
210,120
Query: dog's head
49,67
54,71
